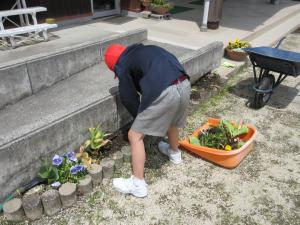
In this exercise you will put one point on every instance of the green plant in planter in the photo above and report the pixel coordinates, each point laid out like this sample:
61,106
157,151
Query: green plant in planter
96,141
238,45
48,172
161,4
225,136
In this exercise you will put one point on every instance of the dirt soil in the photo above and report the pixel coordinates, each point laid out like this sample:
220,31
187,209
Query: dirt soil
264,189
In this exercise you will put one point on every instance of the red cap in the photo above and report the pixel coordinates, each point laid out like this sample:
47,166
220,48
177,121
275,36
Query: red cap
112,55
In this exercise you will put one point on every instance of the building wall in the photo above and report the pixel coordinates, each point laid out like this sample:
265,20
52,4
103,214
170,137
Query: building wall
60,9
66,9
131,5
63,9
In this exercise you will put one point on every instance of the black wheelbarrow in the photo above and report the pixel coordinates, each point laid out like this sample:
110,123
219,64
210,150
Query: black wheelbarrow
285,63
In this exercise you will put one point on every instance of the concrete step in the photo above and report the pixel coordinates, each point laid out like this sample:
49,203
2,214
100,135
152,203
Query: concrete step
272,33
56,119
26,72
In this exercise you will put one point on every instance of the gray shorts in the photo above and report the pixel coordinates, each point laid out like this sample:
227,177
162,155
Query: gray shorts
169,109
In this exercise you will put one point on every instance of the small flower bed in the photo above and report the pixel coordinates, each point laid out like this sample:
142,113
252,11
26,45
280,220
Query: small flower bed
62,169
224,136
71,167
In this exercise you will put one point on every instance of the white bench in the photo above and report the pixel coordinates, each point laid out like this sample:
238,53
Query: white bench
32,30
13,32
15,12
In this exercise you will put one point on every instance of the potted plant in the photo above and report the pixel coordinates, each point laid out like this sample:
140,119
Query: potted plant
161,6
222,142
234,50
146,4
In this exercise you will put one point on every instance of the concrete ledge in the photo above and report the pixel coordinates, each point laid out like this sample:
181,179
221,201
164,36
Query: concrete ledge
202,61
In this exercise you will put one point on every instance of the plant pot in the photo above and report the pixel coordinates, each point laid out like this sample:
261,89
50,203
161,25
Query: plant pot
146,4
235,55
213,25
227,159
159,10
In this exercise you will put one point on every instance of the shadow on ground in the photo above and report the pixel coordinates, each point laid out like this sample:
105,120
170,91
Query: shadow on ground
244,15
282,96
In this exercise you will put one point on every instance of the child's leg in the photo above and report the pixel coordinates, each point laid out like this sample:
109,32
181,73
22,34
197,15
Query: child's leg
136,184
171,149
138,153
173,136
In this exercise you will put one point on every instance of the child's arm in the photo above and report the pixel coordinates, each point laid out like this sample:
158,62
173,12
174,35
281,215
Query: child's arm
129,96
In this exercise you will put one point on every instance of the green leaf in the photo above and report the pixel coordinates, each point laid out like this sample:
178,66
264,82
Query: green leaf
230,128
87,143
194,140
98,140
241,143
95,146
48,172
54,174
44,172
242,130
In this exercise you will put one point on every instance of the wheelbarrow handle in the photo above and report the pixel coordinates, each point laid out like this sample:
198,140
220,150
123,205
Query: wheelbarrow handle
279,42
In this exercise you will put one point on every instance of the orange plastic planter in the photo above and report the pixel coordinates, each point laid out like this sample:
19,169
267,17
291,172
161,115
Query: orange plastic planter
228,159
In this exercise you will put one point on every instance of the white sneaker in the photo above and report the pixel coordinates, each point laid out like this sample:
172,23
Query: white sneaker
132,185
174,156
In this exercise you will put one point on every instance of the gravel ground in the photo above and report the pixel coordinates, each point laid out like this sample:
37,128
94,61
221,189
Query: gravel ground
263,189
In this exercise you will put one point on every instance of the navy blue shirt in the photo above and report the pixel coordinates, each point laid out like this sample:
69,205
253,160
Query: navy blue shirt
146,70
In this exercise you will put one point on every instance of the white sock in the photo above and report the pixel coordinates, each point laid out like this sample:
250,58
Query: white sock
138,181
174,151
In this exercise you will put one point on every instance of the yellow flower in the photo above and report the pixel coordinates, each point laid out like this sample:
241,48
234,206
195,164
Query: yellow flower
227,148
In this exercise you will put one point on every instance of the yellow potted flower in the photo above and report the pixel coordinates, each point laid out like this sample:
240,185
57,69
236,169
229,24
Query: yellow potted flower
234,50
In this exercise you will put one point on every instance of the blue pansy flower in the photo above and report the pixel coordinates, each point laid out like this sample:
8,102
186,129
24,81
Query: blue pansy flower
57,160
71,156
80,168
74,170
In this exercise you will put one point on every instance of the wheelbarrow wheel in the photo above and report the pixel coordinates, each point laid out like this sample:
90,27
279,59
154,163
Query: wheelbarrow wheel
260,98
